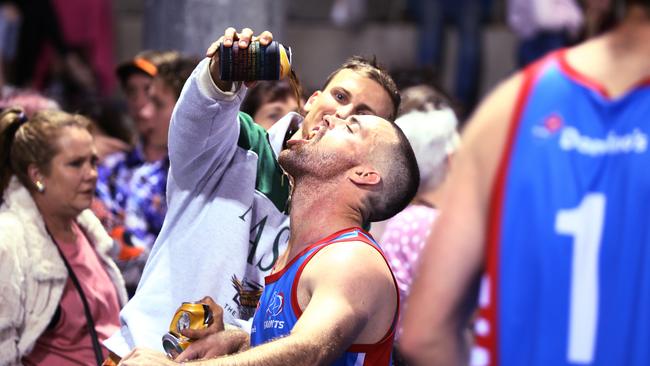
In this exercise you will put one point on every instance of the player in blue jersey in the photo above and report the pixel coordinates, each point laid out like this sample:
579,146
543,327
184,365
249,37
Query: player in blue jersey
548,211
332,298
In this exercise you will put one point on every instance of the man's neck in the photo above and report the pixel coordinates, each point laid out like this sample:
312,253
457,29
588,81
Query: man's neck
618,60
318,210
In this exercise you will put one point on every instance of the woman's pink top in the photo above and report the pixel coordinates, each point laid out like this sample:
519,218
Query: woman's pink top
403,240
69,343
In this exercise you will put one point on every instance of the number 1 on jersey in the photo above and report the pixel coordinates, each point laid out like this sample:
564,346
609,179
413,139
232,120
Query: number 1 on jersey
585,224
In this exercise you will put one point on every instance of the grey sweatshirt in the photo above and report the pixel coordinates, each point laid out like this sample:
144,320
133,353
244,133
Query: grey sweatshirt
225,226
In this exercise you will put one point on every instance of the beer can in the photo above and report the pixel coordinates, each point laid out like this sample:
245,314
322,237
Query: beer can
193,315
257,62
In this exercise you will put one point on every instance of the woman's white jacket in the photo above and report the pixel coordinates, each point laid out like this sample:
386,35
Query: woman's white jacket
32,273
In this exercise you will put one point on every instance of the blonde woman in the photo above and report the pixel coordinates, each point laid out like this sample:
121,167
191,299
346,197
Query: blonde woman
60,293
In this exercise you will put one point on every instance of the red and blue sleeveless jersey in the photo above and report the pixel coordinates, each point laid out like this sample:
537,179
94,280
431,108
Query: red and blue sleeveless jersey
278,309
568,250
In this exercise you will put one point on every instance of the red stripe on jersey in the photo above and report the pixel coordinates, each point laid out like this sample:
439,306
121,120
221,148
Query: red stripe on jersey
489,313
578,77
276,275
592,83
377,353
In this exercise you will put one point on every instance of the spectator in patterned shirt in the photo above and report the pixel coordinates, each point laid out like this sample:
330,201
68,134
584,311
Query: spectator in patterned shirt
117,170
146,203
430,127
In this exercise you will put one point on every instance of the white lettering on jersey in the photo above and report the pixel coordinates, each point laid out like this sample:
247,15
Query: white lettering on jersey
634,142
275,324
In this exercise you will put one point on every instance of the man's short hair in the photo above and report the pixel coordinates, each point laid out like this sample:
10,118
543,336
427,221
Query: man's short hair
372,70
400,180
175,72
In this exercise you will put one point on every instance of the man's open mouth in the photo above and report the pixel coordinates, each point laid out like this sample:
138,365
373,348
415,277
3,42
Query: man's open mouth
313,132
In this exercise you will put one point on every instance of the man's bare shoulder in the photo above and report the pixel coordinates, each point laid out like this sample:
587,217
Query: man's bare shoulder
488,125
353,277
349,259
485,136
350,268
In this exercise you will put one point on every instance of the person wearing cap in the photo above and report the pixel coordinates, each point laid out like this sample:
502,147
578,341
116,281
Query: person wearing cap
115,170
146,204
135,78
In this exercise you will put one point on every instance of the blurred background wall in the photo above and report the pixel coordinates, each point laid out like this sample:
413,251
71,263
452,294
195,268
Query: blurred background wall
319,46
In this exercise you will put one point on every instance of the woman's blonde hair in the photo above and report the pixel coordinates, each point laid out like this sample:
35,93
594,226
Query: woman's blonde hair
26,141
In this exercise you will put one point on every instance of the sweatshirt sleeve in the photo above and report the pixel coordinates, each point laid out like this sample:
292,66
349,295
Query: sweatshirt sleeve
204,128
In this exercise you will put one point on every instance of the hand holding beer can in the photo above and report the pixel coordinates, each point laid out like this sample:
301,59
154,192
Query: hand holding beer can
192,315
256,62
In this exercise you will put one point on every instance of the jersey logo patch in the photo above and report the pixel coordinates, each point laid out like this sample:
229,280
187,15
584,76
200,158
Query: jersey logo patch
551,125
277,304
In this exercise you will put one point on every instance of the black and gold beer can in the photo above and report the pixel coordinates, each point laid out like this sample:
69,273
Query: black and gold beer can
193,315
257,62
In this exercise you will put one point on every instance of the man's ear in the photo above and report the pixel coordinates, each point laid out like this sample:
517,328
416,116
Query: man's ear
364,175
311,100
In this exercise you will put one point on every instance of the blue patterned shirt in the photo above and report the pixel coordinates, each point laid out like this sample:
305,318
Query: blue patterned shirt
113,177
146,206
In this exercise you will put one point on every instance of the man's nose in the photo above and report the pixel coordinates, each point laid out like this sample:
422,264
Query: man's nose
93,173
146,112
332,121
344,111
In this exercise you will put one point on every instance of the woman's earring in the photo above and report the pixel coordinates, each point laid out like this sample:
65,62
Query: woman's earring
40,187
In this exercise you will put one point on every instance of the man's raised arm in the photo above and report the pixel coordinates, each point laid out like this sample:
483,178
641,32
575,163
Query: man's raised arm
204,128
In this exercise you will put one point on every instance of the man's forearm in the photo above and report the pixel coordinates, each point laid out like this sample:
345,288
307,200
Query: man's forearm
451,350
441,344
204,128
285,351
